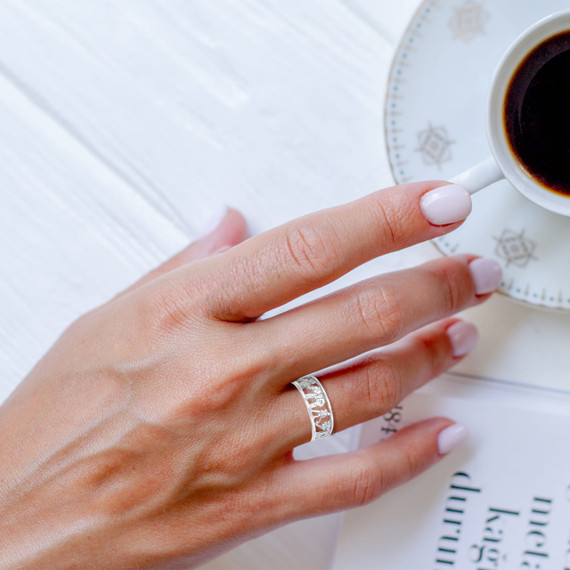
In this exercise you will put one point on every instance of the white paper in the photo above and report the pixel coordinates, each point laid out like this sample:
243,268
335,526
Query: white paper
500,502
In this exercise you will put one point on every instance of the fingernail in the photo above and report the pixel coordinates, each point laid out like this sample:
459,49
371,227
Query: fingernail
213,221
446,205
486,274
463,337
451,438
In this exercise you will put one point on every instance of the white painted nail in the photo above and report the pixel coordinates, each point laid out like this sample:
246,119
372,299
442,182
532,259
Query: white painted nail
486,274
213,221
446,205
451,438
463,337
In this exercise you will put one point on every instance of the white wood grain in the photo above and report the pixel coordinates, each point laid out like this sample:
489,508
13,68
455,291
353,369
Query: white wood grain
72,232
277,106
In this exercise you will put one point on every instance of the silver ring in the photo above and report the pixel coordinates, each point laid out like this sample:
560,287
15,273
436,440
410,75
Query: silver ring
318,406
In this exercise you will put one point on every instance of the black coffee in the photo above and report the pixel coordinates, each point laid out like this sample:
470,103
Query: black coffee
537,113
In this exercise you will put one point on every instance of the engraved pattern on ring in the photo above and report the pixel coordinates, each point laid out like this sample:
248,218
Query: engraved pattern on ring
318,406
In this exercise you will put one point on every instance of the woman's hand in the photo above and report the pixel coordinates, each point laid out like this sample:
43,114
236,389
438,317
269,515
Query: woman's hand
161,425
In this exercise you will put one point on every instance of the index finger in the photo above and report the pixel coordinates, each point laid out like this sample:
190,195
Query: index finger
279,265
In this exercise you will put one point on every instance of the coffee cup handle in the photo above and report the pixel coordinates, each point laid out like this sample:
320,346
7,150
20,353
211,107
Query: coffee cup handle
480,176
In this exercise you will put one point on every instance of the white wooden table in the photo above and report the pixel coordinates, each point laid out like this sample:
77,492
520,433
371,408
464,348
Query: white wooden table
123,125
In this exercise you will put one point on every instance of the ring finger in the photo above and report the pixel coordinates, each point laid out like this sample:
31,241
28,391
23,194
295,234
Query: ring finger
373,385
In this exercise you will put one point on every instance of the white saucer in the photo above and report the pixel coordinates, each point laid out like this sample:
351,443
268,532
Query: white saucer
435,129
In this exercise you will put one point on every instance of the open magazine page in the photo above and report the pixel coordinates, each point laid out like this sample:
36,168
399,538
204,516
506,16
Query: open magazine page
502,501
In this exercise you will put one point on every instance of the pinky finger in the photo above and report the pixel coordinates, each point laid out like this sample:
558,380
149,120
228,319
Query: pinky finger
337,482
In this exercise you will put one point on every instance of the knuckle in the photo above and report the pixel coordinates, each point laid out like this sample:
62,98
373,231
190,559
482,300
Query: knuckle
434,355
391,385
172,307
260,504
162,312
226,468
367,485
312,250
384,386
411,461
390,223
450,294
370,479
380,312
450,276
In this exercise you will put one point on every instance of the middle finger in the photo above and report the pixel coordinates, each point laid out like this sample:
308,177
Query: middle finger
372,313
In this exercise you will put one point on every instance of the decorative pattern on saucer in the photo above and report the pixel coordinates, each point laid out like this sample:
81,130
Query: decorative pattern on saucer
515,248
469,20
435,129
435,145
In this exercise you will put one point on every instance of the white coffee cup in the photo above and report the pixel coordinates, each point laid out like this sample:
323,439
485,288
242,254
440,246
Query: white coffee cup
503,163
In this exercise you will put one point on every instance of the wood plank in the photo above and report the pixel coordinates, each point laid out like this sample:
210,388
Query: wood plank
72,233
274,107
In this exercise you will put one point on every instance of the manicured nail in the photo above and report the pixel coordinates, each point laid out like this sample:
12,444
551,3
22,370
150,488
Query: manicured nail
213,221
451,438
486,274
463,337
446,205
